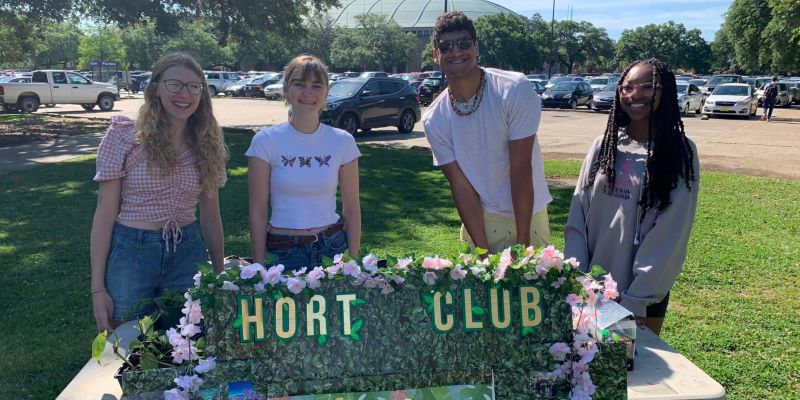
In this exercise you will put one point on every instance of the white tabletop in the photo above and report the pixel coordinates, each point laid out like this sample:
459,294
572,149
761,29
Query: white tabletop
660,373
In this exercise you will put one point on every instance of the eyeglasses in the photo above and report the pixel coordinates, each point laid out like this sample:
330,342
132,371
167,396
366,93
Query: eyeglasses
175,86
464,43
644,88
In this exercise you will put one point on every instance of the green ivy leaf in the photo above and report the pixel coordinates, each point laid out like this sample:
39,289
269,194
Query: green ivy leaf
99,345
479,251
357,325
148,360
597,271
427,298
134,345
146,324
358,302
277,294
355,337
322,340
327,261
478,310
237,323
527,331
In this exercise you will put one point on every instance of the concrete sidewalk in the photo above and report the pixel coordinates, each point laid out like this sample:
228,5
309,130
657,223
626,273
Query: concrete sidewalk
27,156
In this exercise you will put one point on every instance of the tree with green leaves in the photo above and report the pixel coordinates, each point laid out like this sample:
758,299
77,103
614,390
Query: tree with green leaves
505,43
195,39
376,42
319,36
57,45
744,24
669,42
102,44
579,42
16,39
782,36
144,44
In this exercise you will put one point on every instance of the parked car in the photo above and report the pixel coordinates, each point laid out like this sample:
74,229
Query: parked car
218,81
538,85
784,98
430,89
717,80
366,103
256,87
700,83
568,94
57,87
10,79
373,74
275,90
604,99
794,90
538,77
690,98
731,99
599,82
237,89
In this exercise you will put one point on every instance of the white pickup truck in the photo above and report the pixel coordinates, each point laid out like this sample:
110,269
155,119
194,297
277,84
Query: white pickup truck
57,87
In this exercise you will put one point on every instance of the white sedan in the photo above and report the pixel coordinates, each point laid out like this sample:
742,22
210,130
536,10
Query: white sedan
690,98
732,99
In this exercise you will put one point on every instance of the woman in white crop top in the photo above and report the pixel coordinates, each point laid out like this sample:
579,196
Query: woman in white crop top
294,170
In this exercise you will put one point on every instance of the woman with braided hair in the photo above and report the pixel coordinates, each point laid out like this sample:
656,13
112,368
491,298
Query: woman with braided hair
633,207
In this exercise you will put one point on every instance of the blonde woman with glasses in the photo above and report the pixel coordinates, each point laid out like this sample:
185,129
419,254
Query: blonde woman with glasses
153,175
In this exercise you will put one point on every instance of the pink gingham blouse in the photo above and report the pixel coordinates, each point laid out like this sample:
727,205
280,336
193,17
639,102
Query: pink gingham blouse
148,195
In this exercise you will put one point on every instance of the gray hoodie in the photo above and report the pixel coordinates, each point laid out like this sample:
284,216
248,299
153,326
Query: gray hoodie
603,227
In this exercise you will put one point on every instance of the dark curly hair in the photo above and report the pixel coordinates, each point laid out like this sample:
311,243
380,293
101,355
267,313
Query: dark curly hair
452,21
669,154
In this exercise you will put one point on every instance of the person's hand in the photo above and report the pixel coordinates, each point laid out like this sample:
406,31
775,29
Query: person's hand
103,308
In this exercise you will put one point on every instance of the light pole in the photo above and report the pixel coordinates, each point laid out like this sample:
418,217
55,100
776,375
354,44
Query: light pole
552,41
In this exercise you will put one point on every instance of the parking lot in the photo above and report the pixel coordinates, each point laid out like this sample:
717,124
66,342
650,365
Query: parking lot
750,146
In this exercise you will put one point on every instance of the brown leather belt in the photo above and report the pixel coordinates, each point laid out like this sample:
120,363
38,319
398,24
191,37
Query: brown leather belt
283,241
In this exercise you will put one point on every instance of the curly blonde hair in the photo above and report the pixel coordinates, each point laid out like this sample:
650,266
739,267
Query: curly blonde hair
205,137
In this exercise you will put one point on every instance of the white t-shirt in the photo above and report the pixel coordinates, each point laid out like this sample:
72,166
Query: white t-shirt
304,172
509,110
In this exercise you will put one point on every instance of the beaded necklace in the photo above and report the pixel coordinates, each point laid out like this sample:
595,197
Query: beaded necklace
471,105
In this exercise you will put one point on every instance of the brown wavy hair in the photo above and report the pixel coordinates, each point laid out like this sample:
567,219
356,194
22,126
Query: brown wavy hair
205,137
303,67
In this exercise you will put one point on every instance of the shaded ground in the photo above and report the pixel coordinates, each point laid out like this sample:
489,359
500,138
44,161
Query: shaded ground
18,129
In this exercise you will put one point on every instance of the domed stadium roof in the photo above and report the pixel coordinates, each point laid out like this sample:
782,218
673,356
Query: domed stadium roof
411,13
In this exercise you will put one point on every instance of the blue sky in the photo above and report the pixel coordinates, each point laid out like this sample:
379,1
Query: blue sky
618,15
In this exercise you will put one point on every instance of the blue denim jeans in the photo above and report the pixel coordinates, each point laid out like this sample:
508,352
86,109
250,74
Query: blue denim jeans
310,255
141,266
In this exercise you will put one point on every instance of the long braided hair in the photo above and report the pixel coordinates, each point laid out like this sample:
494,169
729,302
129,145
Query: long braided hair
669,154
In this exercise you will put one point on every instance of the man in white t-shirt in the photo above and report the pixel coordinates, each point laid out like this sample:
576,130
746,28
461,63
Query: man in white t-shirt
482,131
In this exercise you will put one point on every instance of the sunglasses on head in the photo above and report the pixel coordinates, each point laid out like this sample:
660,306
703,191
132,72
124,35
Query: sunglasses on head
464,43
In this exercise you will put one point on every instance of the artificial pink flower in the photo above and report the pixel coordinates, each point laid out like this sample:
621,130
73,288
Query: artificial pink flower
187,329
249,271
259,287
175,394
370,283
505,258
530,251
558,282
313,278
397,279
370,262
295,285
500,272
228,285
573,262
192,310
196,279
337,259
429,278
272,276
551,257
402,264
610,291
189,383
361,278
530,276
458,273
477,270
386,288
559,351
206,365
573,299
300,271
431,263
175,338
333,270
184,353
350,268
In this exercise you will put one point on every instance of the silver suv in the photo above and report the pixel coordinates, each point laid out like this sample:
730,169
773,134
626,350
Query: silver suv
219,81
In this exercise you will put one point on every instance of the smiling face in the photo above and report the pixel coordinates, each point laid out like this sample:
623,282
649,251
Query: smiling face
181,105
636,93
306,95
456,62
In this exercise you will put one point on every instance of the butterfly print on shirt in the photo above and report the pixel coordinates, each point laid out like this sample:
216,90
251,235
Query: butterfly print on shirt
323,160
305,161
288,161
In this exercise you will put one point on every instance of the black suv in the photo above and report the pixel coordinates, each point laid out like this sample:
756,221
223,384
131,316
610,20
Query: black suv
430,89
366,103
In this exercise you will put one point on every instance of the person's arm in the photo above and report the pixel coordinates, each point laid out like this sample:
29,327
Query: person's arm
661,254
258,172
576,233
519,154
105,215
351,205
211,224
468,204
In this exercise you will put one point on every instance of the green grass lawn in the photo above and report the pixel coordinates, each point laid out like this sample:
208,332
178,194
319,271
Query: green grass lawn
734,311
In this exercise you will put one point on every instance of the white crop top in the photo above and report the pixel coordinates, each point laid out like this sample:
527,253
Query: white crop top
304,172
